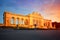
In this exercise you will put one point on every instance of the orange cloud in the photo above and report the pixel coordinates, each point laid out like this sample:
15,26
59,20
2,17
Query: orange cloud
52,11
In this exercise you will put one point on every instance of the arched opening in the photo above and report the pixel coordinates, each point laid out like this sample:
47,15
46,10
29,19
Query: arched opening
17,21
35,23
21,21
26,22
12,20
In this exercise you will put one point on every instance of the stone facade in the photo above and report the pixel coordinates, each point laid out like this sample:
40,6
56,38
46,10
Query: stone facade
32,20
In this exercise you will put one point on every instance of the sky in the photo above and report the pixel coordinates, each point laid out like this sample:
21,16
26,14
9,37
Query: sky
49,9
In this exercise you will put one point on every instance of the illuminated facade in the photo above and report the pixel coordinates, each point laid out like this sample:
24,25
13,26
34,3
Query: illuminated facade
32,20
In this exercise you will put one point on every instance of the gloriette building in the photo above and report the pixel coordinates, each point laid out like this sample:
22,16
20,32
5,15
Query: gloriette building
32,20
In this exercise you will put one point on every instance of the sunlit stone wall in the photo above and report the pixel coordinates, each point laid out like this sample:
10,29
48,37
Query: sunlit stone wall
32,20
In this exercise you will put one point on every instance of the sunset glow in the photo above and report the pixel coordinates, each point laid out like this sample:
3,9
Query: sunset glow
50,9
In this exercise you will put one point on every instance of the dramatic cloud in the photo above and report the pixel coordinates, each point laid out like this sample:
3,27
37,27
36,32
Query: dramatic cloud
53,11
50,9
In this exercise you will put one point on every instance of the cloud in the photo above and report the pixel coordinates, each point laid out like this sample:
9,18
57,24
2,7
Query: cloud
51,10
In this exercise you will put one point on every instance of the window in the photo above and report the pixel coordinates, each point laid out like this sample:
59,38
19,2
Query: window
17,21
26,22
12,20
21,21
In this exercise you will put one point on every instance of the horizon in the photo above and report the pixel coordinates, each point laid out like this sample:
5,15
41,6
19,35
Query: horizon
49,9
